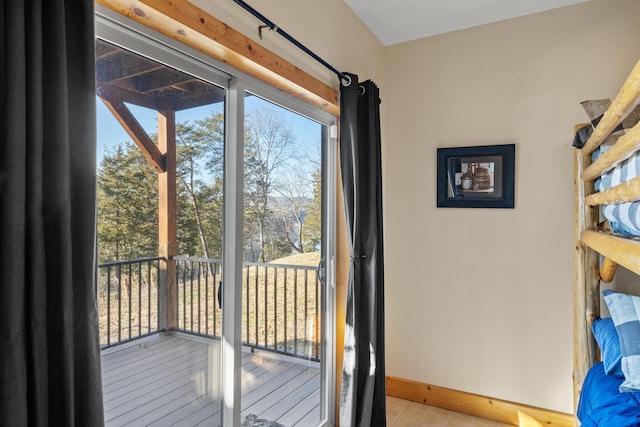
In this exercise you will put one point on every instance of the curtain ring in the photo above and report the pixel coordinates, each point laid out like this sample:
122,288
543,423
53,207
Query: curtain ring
346,80
361,90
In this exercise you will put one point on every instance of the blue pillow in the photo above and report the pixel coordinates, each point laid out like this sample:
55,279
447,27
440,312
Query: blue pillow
604,331
625,312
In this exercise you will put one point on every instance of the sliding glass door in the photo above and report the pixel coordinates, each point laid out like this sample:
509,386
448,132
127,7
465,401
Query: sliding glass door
216,240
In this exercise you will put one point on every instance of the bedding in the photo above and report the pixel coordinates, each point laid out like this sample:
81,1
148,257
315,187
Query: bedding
604,331
625,312
608,398
601,403
624,218
625,171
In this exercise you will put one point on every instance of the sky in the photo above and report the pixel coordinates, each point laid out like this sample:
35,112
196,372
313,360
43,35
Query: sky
110,133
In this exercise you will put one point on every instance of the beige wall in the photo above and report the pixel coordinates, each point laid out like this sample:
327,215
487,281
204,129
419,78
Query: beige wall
476,300
480,300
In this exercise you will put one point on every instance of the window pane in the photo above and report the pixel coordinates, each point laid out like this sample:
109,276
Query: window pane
160,145
281,323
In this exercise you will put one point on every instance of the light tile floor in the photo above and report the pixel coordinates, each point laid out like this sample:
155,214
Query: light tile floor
404,413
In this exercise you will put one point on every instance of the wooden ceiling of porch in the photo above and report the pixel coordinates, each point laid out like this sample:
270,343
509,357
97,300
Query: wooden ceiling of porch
131,78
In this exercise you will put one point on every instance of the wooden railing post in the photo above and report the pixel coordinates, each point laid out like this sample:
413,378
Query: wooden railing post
586,298
167,234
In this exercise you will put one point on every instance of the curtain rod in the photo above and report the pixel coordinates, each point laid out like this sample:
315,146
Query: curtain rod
343,77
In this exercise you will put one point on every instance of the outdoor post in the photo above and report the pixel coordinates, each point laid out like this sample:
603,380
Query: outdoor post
167,236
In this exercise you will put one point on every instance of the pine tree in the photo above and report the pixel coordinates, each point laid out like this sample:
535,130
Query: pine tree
312,231
127,205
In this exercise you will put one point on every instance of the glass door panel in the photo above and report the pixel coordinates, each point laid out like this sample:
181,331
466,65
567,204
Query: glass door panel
160,181
282,295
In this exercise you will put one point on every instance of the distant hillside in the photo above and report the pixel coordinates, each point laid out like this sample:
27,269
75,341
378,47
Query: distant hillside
307,259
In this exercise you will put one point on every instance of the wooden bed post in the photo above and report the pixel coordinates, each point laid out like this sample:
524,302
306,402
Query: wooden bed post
167,228
586,298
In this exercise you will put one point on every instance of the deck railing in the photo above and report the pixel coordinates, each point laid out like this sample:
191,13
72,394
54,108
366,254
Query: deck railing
127,300
199,296
280,304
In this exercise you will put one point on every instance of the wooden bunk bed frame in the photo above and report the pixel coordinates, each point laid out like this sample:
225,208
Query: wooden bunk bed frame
592,242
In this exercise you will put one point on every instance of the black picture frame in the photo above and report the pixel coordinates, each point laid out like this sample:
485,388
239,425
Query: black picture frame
476,177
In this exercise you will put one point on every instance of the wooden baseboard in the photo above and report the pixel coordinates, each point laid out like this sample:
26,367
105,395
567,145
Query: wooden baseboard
473,404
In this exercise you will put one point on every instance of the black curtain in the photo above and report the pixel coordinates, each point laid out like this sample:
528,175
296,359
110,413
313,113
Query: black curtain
363,396
49,344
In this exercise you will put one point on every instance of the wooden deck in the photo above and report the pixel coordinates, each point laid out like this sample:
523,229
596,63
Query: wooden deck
174,381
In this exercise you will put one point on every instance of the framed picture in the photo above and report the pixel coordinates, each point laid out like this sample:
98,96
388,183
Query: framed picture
476,177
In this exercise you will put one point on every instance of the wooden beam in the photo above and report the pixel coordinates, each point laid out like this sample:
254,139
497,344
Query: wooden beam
207,95
586,276
167,221
164,78
625,252
624,192
473,404
109,91
191,101
129,123
621,106
608,270
195,28
526,420
123,65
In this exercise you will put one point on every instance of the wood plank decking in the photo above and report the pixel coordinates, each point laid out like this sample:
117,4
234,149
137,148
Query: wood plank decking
173,381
